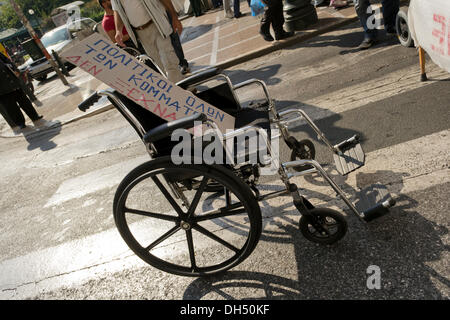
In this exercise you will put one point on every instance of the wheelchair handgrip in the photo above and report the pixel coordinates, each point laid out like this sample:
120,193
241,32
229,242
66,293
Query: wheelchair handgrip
86,104
168,128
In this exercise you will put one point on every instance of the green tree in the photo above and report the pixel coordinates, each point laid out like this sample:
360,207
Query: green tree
42,9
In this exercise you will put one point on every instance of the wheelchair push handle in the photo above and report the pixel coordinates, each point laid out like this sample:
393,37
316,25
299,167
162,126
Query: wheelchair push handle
90,101
168,128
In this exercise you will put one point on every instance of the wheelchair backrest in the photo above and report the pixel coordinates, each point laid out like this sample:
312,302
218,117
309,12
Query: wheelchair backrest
142,120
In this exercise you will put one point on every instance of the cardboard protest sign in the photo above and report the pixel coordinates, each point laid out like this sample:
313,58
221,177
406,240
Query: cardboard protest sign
429,24
110,64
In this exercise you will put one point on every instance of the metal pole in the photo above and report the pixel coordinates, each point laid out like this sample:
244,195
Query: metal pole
30,29
423,74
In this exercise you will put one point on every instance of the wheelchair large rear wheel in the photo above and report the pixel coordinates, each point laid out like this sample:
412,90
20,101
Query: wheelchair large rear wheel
207,233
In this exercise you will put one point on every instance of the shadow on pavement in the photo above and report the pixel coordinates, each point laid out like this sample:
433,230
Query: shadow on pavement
43,139
404,244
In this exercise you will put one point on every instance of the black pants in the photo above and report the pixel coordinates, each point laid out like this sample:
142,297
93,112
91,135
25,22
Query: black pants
10,105
273,15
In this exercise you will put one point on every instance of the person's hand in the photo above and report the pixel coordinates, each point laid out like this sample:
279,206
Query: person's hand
17,73
119,38
176,25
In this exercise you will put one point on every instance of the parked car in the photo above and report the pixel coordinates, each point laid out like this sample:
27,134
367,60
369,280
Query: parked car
57,40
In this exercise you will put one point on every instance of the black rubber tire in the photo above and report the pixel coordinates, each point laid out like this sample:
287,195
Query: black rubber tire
249,236
339,224
402,28
303,149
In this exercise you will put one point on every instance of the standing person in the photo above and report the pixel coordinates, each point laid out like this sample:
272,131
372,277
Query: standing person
109,26
176,43
147,21
389,8
273,15
12,97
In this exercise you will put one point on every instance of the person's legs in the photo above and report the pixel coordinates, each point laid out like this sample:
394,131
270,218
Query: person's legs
196,7
11,111
237,8
25,105
227,8
266,21
361,7
176,43
161,50
390,9
277,17
5,114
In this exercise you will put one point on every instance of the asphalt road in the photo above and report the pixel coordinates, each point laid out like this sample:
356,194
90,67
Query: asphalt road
58,239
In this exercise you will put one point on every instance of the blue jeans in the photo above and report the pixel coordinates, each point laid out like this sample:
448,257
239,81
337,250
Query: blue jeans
389,8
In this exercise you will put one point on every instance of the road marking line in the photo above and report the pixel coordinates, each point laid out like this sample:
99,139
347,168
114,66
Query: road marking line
215,44
93,181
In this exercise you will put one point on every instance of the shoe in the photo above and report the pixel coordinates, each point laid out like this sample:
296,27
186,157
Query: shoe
184,69
22,126
229,15
366,44
239,15
266,36
284,35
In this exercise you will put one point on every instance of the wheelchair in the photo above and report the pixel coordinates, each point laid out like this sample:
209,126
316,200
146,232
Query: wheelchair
199,219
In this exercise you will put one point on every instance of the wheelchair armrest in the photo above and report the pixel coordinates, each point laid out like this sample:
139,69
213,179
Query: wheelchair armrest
197,78
166,129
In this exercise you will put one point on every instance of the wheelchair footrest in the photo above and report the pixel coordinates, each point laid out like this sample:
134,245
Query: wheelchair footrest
374,202
350,157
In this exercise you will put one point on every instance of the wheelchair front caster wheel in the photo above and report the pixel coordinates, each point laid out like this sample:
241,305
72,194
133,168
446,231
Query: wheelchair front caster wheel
303,150
331,227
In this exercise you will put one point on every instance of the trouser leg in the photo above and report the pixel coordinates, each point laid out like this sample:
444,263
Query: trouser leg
273,15
390,9
176,44
227,8
278,17
161,50
12,113
5,114
266,19
26,105
361,7
237,8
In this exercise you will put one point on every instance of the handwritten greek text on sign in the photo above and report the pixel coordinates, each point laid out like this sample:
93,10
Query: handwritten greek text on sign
429,24
118,69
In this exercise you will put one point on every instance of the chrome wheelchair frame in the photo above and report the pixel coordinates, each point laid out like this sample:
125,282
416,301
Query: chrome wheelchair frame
320,225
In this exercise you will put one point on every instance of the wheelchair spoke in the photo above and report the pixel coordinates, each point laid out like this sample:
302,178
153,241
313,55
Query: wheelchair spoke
221,214
168,196
190,242
151,214
216,238
165,236
197,196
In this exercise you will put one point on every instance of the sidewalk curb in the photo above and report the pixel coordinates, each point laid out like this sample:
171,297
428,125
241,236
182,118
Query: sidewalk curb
285,43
